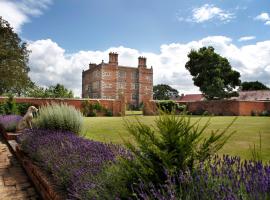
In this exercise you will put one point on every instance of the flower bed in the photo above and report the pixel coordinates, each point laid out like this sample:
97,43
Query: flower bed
9,122
72,161
220,178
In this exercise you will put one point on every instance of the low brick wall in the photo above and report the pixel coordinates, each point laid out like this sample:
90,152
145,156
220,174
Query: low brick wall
116,106
218,107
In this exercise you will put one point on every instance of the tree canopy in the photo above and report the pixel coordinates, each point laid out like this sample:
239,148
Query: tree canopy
164,92
212,73
13,61
253,85
53,91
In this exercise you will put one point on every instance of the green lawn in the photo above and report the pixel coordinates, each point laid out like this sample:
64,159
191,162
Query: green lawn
111,129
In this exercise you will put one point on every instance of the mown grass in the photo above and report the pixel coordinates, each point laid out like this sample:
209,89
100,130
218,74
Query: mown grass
111,129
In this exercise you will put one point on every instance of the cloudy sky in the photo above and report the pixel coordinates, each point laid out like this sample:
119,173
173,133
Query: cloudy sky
65,35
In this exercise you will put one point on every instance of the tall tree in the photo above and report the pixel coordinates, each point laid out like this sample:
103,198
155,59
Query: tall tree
164,92
59,91
253,85
13,61
212,73
54,91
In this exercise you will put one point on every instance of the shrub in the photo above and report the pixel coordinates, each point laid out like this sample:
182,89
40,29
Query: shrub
97,106
92,113
265,113
175,144
108,113
85,107
253,113
23,107
9,122
169,106
9,107
90,110
71,160
59,117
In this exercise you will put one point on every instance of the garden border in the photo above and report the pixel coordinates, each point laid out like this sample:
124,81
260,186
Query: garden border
43,185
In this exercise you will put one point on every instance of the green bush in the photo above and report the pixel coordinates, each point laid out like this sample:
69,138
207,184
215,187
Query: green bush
253,113
169,106
92,113
59,117
90,110
23,107
108,113
97,106
265,113
85,107
9,107
174,144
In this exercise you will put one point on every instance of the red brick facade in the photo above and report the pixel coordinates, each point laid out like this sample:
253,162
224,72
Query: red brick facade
110,81
219,107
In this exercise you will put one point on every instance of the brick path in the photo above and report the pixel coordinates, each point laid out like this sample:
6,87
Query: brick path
14,183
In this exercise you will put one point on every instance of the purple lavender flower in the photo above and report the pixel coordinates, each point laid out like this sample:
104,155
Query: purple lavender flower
9,122
73,161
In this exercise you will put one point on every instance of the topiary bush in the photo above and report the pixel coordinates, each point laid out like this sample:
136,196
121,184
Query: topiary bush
59,117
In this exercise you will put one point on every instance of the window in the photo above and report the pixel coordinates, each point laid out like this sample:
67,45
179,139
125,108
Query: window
135,96
122,85
86,88
96,85
96,73
134,75
149,78
107,85
106,74
122,74
135,86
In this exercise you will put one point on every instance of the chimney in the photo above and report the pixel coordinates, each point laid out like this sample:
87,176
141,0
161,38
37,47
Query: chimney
113,58
142,61
92,65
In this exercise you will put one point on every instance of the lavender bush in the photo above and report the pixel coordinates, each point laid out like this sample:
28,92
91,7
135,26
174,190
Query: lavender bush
72,161
9,122
59,117
226,178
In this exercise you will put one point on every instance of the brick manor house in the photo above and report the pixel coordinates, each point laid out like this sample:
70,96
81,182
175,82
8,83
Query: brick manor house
110,81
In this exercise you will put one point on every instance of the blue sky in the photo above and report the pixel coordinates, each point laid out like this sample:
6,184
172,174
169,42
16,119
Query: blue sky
141,24
65,35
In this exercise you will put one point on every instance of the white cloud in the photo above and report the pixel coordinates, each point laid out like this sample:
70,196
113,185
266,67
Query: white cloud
18,12
210,12
246,38
264,17
50,64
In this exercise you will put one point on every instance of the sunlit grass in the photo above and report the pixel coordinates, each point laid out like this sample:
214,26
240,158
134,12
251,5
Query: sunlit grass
111,129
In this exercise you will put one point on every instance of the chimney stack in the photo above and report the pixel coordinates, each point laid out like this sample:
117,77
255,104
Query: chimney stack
113,58
92,65
142,61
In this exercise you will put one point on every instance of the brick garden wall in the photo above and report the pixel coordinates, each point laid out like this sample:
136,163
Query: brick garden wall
221,107
116,106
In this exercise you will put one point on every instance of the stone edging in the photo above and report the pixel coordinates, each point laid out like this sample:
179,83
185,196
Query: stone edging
44,186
